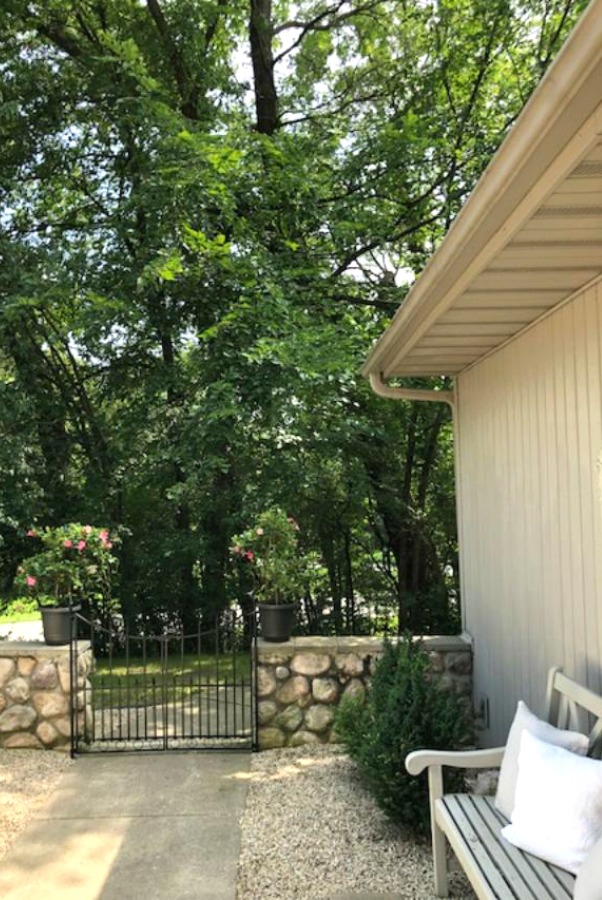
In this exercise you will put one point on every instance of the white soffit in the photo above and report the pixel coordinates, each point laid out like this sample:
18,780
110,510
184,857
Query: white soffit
528,238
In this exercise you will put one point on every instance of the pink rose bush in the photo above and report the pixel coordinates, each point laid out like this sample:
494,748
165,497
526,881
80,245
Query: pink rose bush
269,549
72,563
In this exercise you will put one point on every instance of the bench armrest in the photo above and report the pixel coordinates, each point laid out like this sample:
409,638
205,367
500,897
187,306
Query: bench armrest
420,760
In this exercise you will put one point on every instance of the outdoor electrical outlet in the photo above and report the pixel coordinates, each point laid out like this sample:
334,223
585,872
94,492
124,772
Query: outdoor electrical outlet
483,711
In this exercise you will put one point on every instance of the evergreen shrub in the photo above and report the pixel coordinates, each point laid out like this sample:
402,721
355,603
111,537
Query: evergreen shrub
403,710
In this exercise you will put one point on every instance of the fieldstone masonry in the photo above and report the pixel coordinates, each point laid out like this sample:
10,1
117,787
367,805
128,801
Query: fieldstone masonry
35,684
299,683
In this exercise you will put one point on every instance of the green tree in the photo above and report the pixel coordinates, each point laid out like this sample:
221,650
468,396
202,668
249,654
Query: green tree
209,212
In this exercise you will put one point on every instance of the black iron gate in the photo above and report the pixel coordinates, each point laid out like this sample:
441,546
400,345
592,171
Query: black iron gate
171,691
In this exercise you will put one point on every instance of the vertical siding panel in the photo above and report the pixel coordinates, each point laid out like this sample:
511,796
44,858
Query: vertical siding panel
537,636
594,521
557,523
585,485
555,535
533,492
520,630
564,420
597,451
533,588
506,610
494,474
530,426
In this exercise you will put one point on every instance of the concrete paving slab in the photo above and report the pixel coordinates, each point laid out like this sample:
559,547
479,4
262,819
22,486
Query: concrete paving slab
160,826
147,784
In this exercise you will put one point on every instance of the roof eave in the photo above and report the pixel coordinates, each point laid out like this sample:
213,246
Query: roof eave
569,94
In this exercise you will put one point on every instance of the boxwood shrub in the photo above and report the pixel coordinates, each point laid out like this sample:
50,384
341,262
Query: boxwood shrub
404,710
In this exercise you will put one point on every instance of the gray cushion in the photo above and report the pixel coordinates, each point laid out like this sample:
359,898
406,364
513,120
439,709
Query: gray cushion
525,720
588,885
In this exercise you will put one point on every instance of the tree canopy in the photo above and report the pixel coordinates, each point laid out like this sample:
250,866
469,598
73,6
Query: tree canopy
210,209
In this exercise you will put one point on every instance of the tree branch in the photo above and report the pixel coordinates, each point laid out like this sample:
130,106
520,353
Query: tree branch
544,60
60,38
186,88
317,23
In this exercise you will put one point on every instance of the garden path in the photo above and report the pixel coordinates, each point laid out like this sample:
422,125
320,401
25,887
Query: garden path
122,827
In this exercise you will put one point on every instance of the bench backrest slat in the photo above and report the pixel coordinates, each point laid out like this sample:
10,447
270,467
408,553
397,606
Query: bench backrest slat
570,705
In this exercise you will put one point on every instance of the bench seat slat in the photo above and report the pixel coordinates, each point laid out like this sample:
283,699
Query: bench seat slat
499,872
466,843
548,878
495,867
555,879
520,877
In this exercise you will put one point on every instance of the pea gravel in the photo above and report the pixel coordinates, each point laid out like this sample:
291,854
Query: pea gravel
310,830
27,779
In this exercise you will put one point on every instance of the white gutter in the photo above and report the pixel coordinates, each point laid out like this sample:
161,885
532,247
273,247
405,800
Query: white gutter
394,393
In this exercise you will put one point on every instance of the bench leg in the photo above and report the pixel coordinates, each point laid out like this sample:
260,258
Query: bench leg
440,862
438,838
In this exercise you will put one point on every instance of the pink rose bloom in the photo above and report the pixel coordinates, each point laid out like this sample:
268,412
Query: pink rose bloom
31,581
104,536
68,543
32,533
87,529
236,548
108,545
260,531
81,545
250,555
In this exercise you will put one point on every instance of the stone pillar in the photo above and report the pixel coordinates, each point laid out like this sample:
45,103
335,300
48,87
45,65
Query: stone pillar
299,683
35,690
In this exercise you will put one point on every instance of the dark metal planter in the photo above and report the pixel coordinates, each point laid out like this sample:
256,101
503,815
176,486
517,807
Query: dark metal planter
56,622
276,621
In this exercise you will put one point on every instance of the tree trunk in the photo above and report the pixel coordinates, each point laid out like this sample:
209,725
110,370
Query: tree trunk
262,57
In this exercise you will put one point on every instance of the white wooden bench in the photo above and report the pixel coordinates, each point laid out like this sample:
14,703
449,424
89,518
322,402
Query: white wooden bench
495,868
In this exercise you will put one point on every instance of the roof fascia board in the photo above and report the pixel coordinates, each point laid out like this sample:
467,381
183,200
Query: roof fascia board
565,98
586,138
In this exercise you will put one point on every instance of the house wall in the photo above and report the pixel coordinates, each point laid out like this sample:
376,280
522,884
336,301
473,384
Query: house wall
529,438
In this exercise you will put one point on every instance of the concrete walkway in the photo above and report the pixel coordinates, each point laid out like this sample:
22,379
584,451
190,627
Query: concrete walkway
157,826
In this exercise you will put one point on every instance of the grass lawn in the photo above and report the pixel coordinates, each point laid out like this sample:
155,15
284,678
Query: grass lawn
13,618
123,683
18,609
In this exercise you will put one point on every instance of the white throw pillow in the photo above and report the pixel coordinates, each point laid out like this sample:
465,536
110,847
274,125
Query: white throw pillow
524,720
558,804
589,880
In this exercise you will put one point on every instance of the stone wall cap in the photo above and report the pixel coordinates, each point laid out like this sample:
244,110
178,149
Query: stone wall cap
14,649
360,644
319,644
446,642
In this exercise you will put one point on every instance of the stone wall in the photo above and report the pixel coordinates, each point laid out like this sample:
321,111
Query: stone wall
300,682
35,685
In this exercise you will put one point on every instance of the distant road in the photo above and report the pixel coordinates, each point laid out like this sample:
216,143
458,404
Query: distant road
21,631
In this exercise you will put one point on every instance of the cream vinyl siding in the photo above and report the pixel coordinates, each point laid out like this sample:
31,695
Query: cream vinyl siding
529,438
